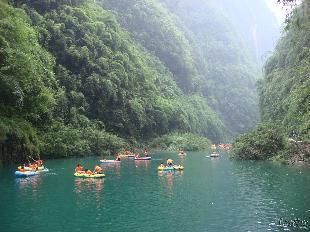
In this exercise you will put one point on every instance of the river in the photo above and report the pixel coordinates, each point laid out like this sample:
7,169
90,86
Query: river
209,195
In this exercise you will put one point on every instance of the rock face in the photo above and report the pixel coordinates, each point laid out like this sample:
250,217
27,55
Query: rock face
300,153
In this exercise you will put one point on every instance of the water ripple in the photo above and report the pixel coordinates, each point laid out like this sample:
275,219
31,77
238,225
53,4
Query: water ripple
209,195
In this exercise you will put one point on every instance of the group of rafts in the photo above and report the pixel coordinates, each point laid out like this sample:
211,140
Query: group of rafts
98,172
37,166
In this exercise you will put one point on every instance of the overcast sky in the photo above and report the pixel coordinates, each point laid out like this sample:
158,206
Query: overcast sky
277,10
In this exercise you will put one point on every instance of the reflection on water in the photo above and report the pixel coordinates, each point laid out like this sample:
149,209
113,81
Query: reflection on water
182,158
87,188
89,184
167,178
32,182
111,167
142,163
166,173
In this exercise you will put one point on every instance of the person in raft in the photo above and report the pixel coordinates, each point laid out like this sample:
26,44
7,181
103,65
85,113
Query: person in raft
161,165
21,168
169,162
98,170
88,172
79,168
146,154
34,167
39,162
118,158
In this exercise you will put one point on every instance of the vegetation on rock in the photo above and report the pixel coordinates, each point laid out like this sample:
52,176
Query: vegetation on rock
284,98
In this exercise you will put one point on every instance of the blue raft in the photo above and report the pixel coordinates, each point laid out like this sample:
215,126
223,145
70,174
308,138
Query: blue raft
25,173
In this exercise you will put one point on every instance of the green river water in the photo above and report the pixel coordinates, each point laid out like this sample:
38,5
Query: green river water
209,195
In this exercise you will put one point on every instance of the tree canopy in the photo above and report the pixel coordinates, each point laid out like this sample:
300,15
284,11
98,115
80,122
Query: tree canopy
284,97
82,77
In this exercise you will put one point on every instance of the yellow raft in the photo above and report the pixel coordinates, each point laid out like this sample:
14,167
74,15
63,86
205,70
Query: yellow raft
172,168
84,175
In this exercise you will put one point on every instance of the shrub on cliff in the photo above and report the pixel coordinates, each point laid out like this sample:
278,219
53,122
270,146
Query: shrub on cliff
262,143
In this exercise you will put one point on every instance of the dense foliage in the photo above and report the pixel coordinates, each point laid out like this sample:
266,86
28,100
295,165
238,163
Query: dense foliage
154,28
81,77
175,142
199,48
284,97
285,90
33,101
27,84
265,141
86,86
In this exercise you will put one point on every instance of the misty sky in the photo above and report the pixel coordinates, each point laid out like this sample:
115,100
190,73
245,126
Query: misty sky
277,10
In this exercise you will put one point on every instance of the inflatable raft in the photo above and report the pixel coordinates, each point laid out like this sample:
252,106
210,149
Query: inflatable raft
84,175
110,161
143,158
25,173
171,168
182,154
129,156
40,169
214,155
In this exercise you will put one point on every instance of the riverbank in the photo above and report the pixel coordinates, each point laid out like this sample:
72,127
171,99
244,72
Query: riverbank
269,141
297,153
106,145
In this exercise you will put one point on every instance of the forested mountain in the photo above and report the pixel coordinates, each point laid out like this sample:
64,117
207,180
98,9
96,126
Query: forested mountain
284,96
216,62
84,77
285,90
151,25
